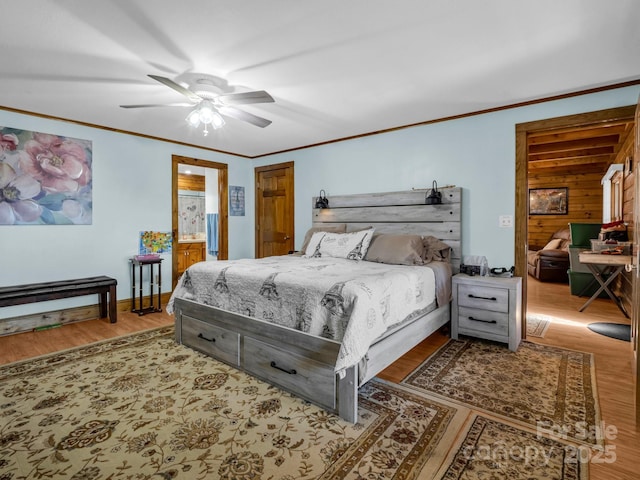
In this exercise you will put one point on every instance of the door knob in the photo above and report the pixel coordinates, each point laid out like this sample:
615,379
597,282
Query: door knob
287,237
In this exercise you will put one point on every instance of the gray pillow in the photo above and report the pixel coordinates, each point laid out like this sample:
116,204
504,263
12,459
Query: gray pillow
395,249
435,249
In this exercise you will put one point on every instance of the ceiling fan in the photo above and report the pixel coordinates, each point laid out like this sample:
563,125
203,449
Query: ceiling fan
210,103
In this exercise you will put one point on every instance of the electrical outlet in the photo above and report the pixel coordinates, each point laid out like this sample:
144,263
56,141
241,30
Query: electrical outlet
505,221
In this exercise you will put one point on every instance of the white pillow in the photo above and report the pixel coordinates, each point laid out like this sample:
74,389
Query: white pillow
554,244
352,245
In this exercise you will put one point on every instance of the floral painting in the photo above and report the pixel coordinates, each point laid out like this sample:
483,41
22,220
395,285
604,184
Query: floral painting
45,179
154,242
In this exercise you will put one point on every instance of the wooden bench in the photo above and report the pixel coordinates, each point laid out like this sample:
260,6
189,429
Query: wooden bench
40,292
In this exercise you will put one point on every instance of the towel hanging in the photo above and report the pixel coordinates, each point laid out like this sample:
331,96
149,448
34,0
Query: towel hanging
212,234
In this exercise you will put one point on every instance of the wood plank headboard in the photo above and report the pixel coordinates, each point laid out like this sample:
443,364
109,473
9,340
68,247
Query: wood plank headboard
399,212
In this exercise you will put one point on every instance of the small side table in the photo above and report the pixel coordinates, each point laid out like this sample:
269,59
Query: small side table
602,266
154,301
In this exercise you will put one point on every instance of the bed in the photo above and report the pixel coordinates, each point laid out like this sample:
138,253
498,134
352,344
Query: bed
274,334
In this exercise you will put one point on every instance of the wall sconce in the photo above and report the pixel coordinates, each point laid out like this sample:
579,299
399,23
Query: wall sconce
433,196
322,201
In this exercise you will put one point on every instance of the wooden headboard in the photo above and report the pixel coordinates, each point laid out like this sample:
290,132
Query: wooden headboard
399,212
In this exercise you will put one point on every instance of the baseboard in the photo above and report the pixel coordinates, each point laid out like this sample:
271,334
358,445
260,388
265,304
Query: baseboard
27,323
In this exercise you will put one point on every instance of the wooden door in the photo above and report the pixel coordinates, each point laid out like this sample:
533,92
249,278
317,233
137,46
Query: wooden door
274,210
635,303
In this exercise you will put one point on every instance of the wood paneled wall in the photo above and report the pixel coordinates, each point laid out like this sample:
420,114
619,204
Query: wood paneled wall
585,200
191,182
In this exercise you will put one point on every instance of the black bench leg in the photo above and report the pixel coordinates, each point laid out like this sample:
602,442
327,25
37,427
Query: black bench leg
113,304
103,303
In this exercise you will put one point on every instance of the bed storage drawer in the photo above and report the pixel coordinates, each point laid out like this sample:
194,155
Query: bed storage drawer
213,340
486,298
301,375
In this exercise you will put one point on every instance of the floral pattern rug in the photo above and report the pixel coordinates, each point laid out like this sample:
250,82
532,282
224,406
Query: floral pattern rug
550,389
142,406
492,450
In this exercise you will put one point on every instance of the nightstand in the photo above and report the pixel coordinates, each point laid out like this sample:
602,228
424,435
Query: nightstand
487,307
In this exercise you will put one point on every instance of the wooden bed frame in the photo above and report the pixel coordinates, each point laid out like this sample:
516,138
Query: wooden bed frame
304,364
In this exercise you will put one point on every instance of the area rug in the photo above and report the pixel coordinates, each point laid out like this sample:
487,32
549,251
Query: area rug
550,389
489,449
537,324
618,331
143,407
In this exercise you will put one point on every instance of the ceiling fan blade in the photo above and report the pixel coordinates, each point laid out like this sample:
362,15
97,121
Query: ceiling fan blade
177,87
244,116
183,104
259,96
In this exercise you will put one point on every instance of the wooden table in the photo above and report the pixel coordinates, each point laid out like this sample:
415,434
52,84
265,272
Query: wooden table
600,266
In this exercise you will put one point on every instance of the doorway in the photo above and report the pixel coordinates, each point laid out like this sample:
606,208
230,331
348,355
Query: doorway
200,239
524,134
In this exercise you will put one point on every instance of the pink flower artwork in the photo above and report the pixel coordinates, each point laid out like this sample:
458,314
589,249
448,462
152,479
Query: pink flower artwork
45,179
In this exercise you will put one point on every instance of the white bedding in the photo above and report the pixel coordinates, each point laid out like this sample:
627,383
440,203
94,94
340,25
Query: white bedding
349,301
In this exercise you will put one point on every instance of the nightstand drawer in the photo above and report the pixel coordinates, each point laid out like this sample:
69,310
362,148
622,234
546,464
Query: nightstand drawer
496,323
486,298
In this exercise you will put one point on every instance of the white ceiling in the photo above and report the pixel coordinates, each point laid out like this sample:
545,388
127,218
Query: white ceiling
336,69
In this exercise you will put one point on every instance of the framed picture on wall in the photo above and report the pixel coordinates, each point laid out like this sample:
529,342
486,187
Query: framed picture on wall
236,201
549,201
45,178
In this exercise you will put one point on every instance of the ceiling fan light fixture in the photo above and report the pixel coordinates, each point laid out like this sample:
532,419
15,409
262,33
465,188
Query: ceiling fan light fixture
209,100
194,118
206,114
217,121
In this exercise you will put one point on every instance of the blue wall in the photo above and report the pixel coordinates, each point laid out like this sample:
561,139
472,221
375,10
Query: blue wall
476,153
132,189
131,193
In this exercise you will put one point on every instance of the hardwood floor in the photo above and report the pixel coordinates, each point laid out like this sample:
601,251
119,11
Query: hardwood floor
32,344
612,358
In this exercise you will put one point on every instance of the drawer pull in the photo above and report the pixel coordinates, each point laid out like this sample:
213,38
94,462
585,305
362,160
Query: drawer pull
212,340
493,299
290,372
483,321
